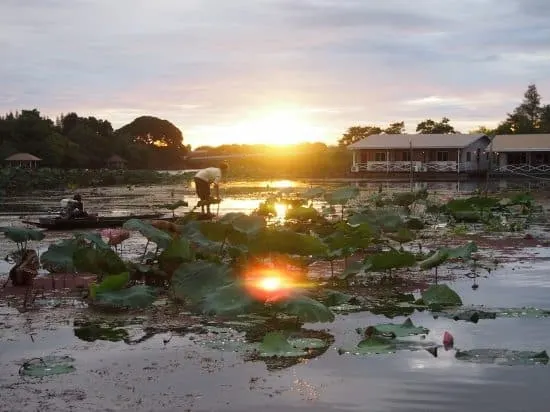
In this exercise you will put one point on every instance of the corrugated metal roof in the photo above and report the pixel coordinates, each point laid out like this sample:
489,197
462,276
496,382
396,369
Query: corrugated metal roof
522,142
423,141
22,157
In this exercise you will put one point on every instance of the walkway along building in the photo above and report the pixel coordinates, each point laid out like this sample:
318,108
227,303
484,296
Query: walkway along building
521,153
424,153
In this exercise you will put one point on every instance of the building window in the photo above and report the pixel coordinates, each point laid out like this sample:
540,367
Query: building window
468,156
442,156
380,156
406,156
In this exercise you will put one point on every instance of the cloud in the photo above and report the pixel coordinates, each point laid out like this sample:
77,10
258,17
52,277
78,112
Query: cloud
209,64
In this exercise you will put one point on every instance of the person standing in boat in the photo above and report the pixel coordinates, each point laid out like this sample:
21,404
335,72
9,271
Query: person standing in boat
204,179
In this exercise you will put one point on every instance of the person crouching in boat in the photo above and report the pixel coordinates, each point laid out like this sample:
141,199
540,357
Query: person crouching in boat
203,179
73,208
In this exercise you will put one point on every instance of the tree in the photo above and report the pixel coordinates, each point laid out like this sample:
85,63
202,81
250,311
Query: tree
153,131
157,142
527,117
429,126
395,128
545,119
356,133
484,130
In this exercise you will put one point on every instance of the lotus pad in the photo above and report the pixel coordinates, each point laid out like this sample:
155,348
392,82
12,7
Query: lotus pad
47,366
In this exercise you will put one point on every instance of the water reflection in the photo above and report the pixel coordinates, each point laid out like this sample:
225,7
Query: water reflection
280,210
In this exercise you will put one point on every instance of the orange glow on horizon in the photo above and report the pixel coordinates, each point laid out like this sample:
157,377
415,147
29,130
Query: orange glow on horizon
277,126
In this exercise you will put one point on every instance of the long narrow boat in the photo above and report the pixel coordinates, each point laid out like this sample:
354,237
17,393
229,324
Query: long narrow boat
89,222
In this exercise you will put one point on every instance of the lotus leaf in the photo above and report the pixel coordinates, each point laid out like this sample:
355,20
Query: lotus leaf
90,332
98,261
342,195
443,254
306,309
21,234
407,328
414,224
59,257
175,205
385,220
436,259
352,269
193,232
463,252
276,344
404,199
441,295
228,218
94,238
177,252
302,213
139,296
192,281
472,315
47,366
307,343
228,300
157,236
286,241
249,224
389,260
502,356
313,192
110,283
350,237
335,298
403,235
375,345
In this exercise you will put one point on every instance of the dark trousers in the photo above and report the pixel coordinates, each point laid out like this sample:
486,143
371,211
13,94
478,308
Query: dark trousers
203,189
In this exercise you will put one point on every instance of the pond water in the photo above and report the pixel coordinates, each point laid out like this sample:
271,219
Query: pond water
172,371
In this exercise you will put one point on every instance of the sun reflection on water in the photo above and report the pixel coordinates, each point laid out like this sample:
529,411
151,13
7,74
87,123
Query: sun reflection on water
280,209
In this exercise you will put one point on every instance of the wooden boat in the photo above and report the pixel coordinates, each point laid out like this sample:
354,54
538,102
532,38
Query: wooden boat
88,222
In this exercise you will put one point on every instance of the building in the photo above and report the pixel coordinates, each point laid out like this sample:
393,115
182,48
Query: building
398,153
521,153
24,160
116,162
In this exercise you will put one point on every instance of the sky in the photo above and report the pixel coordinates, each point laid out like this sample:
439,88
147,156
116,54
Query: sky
274,71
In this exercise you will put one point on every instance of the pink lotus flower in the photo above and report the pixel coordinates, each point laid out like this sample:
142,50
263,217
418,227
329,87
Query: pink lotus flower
115,236
448,340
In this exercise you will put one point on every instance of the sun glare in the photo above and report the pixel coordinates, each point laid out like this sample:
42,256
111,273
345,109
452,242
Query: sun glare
270,284
279,126
280,209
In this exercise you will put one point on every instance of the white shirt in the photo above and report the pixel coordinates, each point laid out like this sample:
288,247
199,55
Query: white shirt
210,174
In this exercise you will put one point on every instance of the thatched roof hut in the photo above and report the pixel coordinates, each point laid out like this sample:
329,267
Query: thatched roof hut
26,160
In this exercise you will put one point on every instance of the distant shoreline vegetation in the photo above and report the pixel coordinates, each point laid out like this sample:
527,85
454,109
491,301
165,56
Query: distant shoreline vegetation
20,180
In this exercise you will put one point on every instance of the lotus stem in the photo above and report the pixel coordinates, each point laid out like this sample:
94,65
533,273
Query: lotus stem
144,252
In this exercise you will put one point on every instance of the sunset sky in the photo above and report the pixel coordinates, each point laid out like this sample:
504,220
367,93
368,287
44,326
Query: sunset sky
274,71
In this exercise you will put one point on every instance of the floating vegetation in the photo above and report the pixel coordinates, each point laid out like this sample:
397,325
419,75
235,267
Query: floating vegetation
251,276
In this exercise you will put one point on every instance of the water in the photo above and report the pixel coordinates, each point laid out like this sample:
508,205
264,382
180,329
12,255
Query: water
182,375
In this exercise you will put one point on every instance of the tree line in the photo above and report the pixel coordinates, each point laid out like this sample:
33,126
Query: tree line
531,116
72,141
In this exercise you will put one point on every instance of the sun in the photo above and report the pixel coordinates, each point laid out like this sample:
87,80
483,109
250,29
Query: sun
273,127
